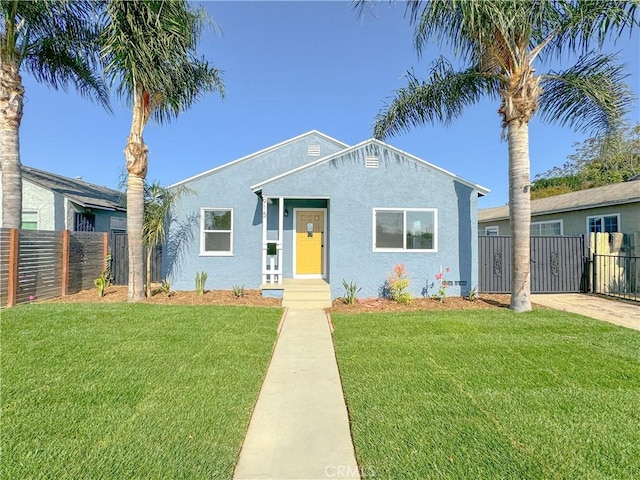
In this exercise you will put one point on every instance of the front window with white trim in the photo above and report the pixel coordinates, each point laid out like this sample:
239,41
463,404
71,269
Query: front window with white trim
492,231
405,229
546,229
216,231
604,223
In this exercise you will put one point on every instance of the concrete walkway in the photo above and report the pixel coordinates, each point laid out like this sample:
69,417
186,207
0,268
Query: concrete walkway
608,310
300,427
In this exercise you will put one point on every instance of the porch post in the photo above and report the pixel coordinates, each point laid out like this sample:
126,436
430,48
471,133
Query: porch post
264,241
280,237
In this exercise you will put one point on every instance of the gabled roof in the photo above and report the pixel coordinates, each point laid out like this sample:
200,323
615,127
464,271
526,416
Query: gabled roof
615,194
83,193
260,152
481,190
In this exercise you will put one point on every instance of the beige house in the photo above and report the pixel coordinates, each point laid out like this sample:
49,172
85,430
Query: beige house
612,208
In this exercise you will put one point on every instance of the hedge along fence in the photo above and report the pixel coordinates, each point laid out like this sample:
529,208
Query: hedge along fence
42,264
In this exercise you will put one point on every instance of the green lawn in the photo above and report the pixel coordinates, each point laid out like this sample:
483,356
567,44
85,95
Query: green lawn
129,391
491,394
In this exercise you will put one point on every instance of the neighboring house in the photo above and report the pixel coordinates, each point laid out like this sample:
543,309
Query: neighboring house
314,207
612,208
54,202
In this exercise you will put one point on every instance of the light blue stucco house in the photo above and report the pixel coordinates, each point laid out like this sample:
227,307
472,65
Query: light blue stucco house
314,207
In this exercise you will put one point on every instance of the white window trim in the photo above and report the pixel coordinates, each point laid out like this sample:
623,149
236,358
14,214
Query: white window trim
546,222
602,216
491,228
404,229
37,212
588,236
203,253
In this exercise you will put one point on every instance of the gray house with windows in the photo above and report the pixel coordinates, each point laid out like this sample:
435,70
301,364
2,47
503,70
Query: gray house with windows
54,202
313,207
612,208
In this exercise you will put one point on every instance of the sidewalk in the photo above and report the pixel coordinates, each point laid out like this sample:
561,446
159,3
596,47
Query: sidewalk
607,310
300,427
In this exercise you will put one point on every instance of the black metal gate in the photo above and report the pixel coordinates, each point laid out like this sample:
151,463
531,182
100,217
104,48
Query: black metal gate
557,264
120,260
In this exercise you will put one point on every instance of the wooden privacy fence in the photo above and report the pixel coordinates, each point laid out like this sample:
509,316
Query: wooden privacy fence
120,260
557,264
45,264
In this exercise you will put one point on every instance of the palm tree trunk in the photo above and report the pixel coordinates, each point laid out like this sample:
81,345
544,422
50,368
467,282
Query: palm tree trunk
520,214
11,102
136,157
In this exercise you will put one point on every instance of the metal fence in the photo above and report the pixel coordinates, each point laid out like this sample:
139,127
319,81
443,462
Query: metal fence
557,264
616,276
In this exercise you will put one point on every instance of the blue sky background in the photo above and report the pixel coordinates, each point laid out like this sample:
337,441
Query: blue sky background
291,67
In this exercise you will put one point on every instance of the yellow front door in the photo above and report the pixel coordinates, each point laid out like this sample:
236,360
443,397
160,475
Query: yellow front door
309,242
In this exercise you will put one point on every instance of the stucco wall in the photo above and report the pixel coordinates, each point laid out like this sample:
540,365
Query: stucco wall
575,223
349,191
353,192
229,187
43,201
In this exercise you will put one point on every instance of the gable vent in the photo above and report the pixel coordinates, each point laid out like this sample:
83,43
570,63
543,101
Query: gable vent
313,150
371,161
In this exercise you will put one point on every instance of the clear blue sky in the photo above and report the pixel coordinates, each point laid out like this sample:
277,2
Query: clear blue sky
290,67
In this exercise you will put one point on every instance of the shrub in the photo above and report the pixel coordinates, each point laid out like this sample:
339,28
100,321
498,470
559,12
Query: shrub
238,291
350,292
201,279
101,283
399,284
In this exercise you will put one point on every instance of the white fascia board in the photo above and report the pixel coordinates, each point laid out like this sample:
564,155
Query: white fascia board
254,154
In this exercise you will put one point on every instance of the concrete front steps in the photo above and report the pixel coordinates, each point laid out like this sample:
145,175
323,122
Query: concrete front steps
306,294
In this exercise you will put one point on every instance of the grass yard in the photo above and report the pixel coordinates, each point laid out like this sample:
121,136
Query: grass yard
129,391
491,394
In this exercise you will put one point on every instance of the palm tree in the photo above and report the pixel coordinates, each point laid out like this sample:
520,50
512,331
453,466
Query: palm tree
157,207
54,41
500,42
149,53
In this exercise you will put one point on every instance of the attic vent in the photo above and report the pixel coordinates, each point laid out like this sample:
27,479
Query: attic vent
313,150
371,161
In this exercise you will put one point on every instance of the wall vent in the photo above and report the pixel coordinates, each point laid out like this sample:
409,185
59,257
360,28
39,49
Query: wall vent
371,161
313,150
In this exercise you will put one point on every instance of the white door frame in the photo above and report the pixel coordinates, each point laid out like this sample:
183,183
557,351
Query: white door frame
325,241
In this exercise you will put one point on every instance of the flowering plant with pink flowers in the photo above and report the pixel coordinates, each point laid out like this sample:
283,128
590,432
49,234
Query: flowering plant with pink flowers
442,292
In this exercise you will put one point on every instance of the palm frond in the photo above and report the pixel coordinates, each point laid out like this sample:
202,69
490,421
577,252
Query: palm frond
56,41
57,65
150,46
582,22
591,96
439,99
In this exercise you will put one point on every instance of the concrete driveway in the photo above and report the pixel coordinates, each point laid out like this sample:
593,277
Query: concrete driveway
601,308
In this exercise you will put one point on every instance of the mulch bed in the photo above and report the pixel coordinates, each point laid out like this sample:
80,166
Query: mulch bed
255,298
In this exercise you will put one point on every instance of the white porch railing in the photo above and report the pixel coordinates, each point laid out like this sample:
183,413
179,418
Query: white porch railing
272,264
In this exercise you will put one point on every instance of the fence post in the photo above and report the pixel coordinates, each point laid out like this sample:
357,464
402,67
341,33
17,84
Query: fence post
105,249
14,253
593,237
64,290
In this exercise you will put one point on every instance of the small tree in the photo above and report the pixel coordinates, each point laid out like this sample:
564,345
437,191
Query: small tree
158,202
